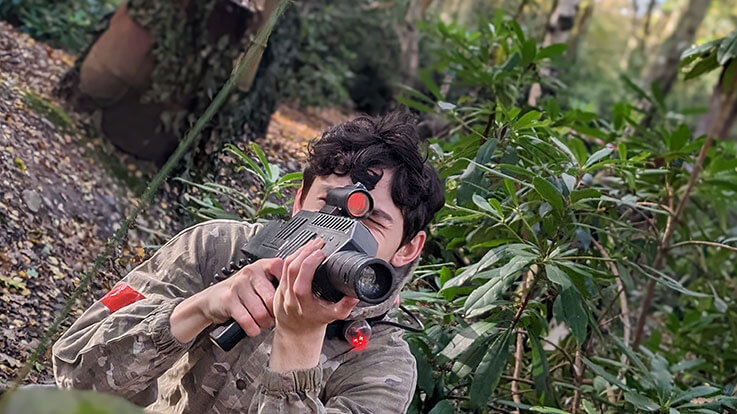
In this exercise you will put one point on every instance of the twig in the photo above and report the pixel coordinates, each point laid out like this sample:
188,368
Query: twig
577,380
492,116
675,218
620,293
708,243
521,338
517,379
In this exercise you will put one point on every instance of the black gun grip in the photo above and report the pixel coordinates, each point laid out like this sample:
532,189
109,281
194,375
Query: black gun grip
227,335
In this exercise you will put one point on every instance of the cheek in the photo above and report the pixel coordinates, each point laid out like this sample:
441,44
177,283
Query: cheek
388,245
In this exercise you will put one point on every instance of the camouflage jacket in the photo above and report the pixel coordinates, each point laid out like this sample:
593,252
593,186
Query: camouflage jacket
131,352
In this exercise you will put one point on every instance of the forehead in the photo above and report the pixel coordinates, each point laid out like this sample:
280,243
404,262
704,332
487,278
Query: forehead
381,192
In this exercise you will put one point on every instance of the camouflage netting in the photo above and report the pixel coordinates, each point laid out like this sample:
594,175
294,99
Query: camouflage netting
195,48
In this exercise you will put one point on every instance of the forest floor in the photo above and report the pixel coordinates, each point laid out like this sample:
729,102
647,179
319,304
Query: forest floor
64,191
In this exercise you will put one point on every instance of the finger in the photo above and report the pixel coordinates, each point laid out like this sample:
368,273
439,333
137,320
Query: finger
303,248
240,314
255,306
296,263
303,284
273,267
291,258
266,291
344,307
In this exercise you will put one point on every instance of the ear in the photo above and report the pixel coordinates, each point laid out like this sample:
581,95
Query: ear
409,252
297,201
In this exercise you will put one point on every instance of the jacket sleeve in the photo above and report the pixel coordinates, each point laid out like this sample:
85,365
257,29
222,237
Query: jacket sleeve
124,351
379,379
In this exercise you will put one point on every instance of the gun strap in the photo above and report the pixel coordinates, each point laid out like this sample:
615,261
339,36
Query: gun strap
335,329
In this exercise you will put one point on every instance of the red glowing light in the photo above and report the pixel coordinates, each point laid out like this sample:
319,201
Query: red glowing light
358,204
359,342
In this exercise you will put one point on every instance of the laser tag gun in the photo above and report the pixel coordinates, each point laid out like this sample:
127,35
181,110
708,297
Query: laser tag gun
350,267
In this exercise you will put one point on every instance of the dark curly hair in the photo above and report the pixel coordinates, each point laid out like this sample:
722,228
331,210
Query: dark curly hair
388,142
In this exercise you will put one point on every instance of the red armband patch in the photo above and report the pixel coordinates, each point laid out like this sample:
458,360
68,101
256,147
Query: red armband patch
119,296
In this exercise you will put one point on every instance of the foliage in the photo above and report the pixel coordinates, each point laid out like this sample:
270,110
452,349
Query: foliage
349,51
70,25
553,220
49,400
270,178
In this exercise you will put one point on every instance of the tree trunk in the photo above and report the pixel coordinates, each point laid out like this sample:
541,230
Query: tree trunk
717,101
158,65
582,28
409,38
664,69
558,30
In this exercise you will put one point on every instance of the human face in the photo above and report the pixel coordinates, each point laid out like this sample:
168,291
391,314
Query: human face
385,223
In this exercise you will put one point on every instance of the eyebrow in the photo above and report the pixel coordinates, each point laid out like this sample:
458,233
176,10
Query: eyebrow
383,215
377,212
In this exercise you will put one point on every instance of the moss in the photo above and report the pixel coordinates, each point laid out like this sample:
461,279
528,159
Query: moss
48,110
136,183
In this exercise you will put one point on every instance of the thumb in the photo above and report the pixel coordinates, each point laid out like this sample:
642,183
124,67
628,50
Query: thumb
344,307
273,267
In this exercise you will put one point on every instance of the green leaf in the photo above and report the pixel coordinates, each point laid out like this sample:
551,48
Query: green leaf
426,77
509,186
728,83
694,52
574,314
548,192
564,148
679,137
464,339
490,370
704,65
632,85
527,120
490,291
695,392
589,407
604,374
727,49
529,49
414,104
584,193
557,276
641,402
511,63
483,204
443,407
598,155
549,410
489,259
425,379
666,280
551,51
264,161
52,401
540,371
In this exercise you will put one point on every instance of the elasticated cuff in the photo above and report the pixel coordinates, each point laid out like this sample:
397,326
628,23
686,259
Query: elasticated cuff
160,329
293,381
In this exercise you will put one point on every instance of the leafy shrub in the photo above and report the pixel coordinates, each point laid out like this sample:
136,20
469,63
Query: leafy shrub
69,25
554,222
224,202
348,51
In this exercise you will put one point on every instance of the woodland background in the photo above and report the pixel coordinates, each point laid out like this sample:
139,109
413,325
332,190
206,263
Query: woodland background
584,261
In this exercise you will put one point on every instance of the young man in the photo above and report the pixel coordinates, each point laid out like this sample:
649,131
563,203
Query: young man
147,339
